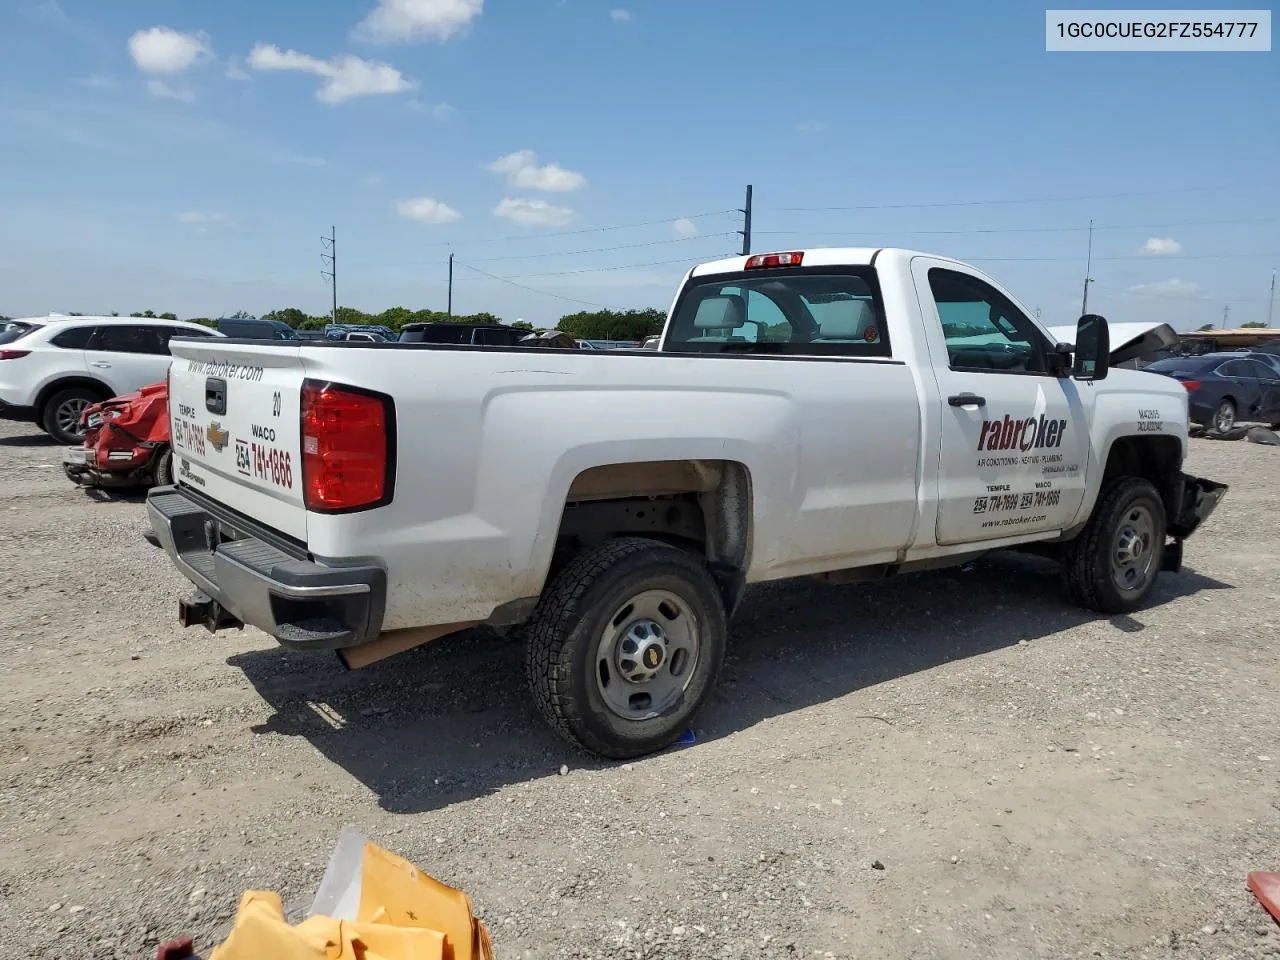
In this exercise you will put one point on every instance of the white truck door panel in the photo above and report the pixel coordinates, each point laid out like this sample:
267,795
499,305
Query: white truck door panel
1013,461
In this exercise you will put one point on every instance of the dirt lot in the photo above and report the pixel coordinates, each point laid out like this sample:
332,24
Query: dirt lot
1035,782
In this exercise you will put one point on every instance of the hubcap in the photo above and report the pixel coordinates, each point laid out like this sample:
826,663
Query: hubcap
1225,418
647,655
68,416
1133,551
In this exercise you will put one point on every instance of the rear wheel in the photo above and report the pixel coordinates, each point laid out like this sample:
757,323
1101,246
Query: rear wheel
625,647
164,468
1111,567
1224,418
61,415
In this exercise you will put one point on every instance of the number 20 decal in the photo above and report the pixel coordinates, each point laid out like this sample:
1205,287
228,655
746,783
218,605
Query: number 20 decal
275,404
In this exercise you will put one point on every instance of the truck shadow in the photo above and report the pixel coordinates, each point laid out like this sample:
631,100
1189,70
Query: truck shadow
453,721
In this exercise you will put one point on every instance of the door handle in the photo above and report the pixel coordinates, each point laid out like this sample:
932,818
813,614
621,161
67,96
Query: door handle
967,400
100,364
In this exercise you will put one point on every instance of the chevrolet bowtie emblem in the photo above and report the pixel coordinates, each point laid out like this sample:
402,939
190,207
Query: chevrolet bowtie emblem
217,436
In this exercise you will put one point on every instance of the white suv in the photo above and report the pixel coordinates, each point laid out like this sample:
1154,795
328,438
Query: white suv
52,367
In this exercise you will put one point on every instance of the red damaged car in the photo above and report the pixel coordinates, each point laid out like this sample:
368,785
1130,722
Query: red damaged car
126,442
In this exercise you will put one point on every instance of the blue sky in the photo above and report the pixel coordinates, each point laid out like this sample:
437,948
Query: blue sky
188,156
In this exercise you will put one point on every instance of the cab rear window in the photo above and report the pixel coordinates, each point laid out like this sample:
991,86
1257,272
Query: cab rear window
795,312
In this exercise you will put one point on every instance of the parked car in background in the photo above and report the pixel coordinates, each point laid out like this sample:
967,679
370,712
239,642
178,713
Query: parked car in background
62,365
474,334
309,334
368,332
251,328
1224,388
550,339
126,442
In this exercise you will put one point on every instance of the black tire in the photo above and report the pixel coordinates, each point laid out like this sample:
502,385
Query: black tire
566,636
57,409
1223,420
1092,560
163,474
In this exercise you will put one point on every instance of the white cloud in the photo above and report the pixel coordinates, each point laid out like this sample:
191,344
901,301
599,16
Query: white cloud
440,112
158,88
99,82
198,217
161,50
1161,247
533,213
522,171
620,15
812,128
345,77
1166,288
235,71
427,210
685,228
402,21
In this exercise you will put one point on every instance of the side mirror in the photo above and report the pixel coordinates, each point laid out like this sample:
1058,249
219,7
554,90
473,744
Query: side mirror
1093,348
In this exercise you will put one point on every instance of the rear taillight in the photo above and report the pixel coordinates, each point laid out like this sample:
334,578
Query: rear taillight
348,448
13,354
1191,385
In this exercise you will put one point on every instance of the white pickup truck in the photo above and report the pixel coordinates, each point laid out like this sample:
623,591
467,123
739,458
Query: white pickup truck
847,414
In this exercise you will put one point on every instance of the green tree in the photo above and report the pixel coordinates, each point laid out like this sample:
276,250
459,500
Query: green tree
290,315
1206,327
522,325
1252,325
613,324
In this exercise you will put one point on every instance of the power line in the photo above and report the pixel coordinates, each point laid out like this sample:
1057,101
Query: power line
625,246
980,230
545,293
1153,259
665,221
984,203
623,266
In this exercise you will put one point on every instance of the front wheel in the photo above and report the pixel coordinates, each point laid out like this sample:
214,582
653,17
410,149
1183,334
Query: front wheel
626,646
1112,565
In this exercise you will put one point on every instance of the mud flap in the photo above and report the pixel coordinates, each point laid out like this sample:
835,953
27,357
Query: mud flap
1196,500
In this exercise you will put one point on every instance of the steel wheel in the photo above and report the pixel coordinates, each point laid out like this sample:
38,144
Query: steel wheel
1132,553
1224,418
647,655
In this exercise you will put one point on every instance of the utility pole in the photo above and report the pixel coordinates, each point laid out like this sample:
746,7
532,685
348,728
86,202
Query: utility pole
1088,268
745,232
1225,311
329,259
451,286
1272,302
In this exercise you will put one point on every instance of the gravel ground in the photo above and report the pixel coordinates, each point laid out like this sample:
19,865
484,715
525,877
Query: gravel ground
951,765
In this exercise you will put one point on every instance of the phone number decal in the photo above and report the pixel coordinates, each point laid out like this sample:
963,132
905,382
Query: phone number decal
268,464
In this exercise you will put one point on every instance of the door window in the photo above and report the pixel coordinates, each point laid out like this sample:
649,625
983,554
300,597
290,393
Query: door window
984,331
128,339
77,338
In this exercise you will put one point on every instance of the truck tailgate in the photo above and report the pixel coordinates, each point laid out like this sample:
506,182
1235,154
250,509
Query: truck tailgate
234,414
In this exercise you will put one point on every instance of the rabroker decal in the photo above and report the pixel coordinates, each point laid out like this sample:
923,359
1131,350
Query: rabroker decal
226,370
1033,433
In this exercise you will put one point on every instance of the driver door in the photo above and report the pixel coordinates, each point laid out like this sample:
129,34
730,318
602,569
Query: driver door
1014,440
